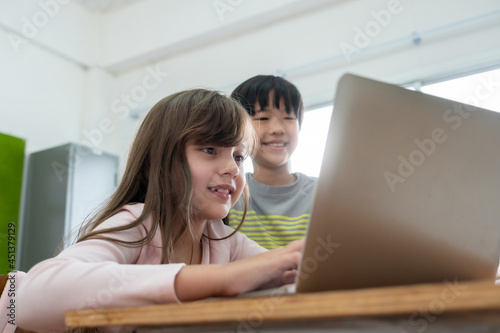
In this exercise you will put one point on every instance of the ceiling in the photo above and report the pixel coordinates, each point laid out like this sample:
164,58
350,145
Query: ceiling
105,6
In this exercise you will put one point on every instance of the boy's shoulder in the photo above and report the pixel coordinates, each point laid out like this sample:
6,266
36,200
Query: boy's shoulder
303,183
301,178
305,179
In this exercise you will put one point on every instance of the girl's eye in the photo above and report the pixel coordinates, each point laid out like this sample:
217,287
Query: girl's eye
239,159
208,150
261,118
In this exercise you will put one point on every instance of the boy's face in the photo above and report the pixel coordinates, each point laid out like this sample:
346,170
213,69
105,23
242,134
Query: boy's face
278,134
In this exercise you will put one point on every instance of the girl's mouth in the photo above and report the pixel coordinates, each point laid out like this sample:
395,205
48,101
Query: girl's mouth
220,190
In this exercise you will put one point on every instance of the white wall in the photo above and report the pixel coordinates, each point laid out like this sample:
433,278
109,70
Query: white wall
82,72
43,52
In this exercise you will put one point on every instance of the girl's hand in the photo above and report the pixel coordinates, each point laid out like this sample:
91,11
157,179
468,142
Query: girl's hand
273,268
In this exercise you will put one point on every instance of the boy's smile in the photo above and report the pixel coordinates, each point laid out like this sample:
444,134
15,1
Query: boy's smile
275,145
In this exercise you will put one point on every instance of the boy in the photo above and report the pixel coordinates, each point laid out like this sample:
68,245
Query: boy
280,201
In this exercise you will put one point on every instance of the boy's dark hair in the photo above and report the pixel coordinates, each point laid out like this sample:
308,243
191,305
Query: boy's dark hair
257,88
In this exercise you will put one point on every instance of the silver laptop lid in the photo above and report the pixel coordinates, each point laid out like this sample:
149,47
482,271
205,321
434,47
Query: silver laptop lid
409,191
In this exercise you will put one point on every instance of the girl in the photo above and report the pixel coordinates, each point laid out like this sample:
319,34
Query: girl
160,237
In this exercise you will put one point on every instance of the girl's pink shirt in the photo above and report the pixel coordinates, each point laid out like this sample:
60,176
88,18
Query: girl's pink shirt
97,274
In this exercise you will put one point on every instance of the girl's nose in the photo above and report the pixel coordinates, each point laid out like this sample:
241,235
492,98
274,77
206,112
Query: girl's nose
231,168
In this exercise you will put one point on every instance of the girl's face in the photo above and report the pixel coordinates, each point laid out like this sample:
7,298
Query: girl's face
278,134
218,178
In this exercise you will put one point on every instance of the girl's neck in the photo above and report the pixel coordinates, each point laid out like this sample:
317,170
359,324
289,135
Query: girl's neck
279,176
188,249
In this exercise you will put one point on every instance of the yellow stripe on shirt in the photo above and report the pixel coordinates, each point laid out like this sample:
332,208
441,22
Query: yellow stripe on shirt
270,231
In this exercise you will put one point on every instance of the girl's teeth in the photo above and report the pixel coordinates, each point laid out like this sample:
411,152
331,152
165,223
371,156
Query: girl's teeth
220,190
277,144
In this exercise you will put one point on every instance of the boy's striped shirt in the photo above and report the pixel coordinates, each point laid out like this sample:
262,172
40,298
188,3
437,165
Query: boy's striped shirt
276,215
270,231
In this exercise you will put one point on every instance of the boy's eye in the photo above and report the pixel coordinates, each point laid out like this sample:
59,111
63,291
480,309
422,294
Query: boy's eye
208,150
290,118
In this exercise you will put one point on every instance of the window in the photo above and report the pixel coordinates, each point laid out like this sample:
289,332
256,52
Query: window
482,90
312,139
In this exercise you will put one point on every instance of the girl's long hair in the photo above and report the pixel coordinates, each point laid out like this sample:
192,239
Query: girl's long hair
157,173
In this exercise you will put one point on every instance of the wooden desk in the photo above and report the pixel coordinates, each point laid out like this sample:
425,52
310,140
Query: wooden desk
448,306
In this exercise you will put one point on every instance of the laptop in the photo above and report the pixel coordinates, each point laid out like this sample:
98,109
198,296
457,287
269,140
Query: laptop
408,192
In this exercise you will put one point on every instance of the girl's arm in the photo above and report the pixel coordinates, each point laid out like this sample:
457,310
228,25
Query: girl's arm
269,269
93,274
98,274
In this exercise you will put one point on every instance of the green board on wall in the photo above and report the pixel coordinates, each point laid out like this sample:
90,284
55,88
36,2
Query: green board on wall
11,178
